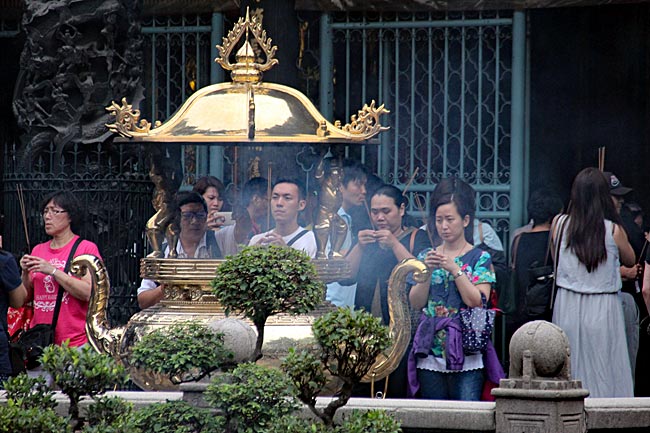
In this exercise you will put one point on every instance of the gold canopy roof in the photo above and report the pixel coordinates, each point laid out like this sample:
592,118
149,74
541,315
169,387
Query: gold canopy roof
246,109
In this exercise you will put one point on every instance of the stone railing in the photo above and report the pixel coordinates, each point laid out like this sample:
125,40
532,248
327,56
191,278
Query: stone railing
602,414
538,397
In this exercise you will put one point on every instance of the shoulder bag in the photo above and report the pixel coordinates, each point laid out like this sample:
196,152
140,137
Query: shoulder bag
26,347
540,293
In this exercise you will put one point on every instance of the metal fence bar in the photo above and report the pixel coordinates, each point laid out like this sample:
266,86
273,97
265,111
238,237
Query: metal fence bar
455,120
419,24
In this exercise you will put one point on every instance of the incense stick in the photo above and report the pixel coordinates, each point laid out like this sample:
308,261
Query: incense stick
268,195
21,201
601,158
408,185
372,224
645,244
425,220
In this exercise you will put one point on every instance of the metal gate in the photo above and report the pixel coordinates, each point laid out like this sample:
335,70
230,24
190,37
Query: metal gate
453,83
448,81
112,184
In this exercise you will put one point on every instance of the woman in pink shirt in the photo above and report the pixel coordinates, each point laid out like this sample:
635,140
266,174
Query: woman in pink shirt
43,271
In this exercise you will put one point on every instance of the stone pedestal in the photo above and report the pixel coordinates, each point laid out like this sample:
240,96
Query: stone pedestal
539,396
540,411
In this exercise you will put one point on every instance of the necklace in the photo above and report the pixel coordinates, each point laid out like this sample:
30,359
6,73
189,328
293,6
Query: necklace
460,253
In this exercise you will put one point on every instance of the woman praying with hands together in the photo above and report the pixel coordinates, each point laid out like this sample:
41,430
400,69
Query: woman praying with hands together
461,277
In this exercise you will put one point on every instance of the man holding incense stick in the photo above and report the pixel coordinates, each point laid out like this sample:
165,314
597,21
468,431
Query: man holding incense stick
288,199
353,192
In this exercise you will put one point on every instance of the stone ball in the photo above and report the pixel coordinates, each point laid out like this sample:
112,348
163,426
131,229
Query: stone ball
548,344
238,336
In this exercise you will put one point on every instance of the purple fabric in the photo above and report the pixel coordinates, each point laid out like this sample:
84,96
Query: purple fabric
422,343
493,369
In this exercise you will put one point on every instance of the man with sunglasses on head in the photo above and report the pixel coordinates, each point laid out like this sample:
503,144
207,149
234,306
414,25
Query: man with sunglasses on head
195,241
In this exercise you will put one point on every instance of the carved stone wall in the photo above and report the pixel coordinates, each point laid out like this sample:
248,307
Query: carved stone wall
77,57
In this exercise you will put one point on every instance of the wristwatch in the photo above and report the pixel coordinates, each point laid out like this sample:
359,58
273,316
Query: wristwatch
458,274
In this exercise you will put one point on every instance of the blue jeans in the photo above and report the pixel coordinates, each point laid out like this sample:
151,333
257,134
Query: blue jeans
464,385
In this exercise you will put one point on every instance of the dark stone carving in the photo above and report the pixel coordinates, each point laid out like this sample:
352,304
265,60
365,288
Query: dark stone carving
78,56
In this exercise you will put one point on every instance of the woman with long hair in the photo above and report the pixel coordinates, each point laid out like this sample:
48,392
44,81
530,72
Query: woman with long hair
461,277
587,306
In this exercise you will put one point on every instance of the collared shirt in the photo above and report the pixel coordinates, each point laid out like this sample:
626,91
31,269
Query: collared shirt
202,252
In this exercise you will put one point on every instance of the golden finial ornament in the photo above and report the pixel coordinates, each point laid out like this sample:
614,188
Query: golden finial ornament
126,120
366,122
246,69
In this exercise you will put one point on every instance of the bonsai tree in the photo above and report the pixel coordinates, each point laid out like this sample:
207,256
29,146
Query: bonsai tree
81,372
262,281
349,342
252,398
184,352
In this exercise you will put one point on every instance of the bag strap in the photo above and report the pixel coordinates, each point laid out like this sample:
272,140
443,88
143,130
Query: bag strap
412,240
548,245
480,231
557,245
513,252
213,247
59,295
296,237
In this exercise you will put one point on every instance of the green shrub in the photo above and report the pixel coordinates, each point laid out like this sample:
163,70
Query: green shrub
184,352
27,392
349,341
79,372
262,281
307,373
372,421
293,424
110,415
177,417
251,397
14,419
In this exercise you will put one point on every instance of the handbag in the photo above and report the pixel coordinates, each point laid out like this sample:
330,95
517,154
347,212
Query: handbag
476,327
26,347
541,287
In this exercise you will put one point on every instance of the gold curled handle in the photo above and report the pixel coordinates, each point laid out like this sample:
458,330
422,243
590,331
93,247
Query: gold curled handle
100,335
400,318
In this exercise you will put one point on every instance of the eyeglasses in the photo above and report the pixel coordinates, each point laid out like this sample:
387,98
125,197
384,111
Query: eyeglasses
54,212
196,215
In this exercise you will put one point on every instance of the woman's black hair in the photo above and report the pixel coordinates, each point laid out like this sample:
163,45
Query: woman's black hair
543,205
68,202
591,204
459,192
392,192
206,182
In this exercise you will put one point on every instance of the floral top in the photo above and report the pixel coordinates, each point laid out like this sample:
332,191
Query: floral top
444,298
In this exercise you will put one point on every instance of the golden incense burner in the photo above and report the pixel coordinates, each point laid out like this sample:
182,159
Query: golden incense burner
244,112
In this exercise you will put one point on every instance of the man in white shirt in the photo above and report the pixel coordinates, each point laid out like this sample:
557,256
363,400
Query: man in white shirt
288,199
194,241
353,192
